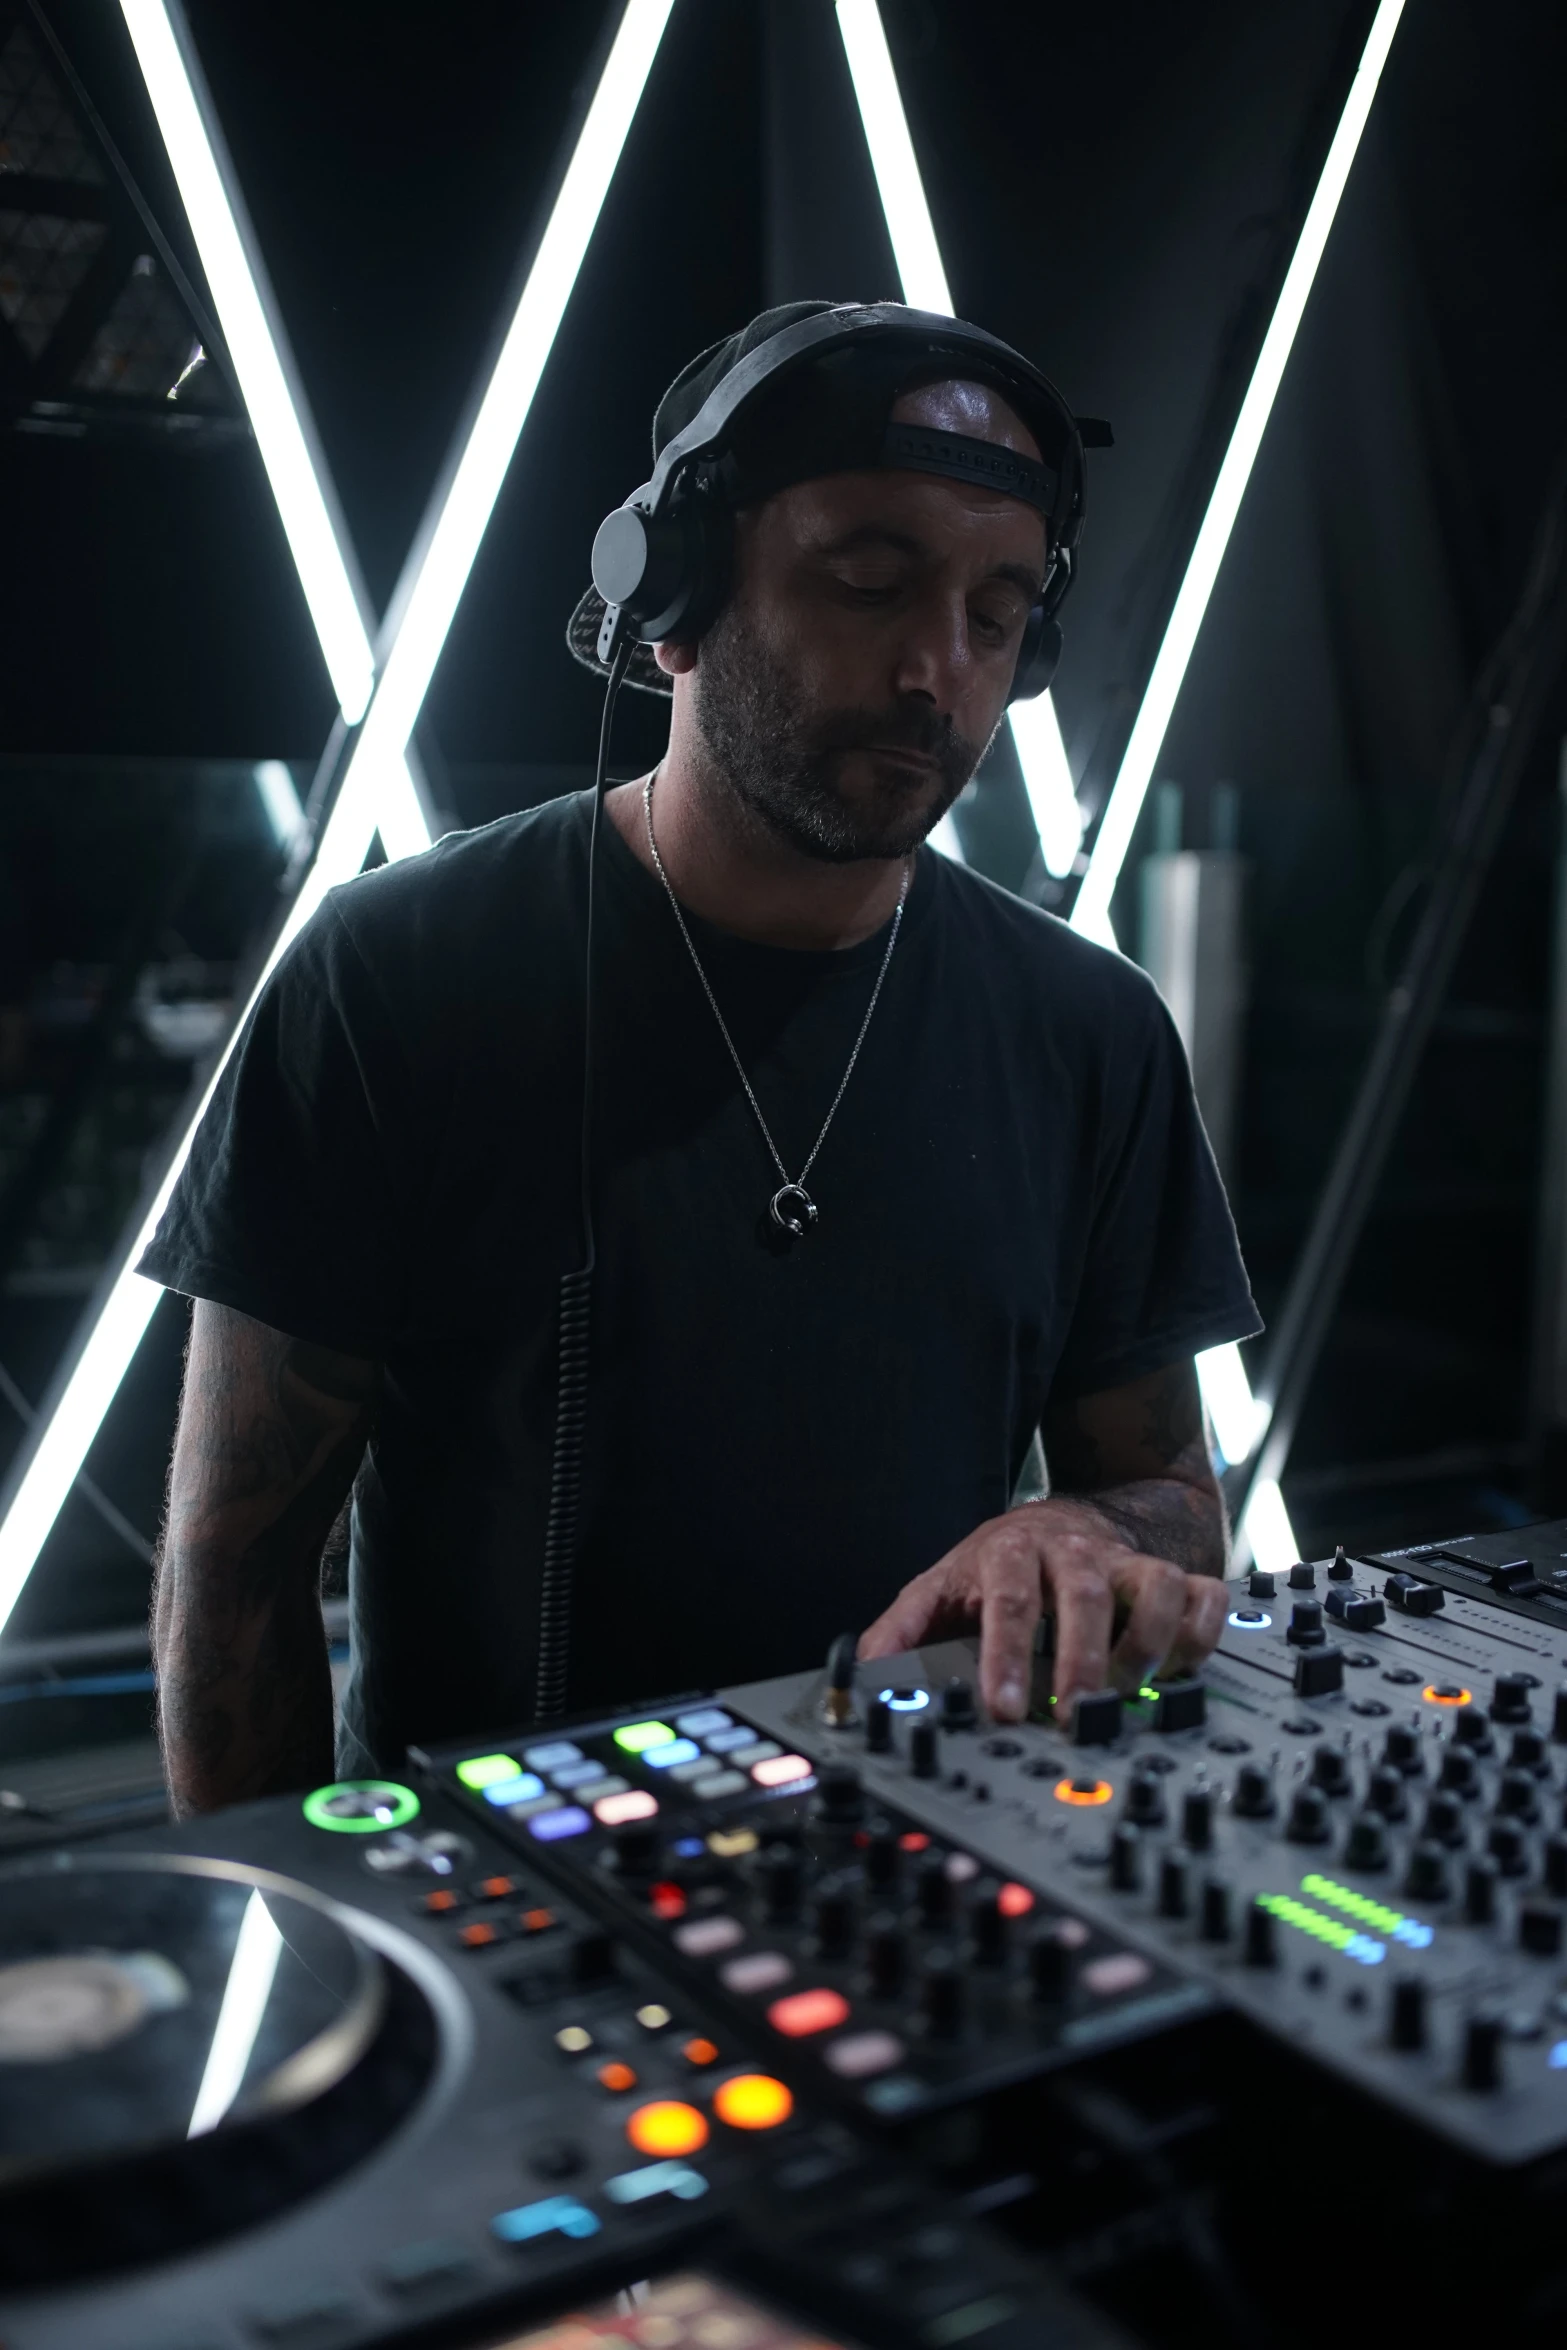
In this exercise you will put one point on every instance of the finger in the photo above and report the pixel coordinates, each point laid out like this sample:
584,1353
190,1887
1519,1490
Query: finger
1084,1610
1207,1604
1009,1611
1157,1594
908,1620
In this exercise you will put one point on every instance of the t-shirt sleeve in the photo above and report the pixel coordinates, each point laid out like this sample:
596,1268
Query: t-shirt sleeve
287,1208
1162,1276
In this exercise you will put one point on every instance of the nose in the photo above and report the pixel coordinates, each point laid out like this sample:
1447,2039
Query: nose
933,658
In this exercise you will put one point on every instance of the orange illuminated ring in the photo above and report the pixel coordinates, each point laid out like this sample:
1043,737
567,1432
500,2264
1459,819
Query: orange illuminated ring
667,2127
1448,1694
752,2101
1083,1791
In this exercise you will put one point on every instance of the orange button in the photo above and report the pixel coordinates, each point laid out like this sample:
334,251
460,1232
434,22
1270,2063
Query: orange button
804,2012
439,1904
1447,1693
752,2101
477,1937
700,2052
537,1921
497,1888
617,2077
666,2127
1082,1791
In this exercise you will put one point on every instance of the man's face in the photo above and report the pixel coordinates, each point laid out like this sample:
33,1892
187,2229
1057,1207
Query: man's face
849,688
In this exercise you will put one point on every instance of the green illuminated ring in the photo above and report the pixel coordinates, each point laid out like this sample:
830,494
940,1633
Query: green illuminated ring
401,1801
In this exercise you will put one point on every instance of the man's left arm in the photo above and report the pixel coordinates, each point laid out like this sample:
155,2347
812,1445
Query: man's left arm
1127,1551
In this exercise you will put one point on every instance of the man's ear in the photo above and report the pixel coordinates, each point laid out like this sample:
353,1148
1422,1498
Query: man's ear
675,660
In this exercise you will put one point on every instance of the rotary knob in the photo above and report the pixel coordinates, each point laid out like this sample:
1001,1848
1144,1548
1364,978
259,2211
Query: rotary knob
1480,1892
1261,1938
1145,1800
1407,2014
1126,1858
1302,1577
1215,1922
1309,1819
886,1957
1529,1752
881,1859
1554,1866
1559,1717
1305,1626
1401,1747
934,1888
1459,1773
833,1915
1253,1797
878,1727
1197,1818
922,1750
1341,1570
839,1797
1444,1820
1051,1963
779,1876
1365,1847
1385,1792
1174,1885
1482,2057
1471,1729
941,1995
1426,1878
1508,1846
987,1925
957,1706
1330,1770
1516,1795
1510,1698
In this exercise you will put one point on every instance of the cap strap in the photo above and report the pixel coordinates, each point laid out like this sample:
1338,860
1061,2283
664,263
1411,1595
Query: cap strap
917,447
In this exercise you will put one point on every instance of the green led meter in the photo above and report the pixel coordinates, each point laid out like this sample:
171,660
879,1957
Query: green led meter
361,1807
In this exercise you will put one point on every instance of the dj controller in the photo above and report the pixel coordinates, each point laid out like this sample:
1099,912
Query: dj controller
824,2012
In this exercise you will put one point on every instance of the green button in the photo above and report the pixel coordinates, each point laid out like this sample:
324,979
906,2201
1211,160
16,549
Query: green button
361,1807
486,1770
636,1736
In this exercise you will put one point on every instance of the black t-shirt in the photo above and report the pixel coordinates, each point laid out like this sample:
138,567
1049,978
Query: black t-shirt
1016,1200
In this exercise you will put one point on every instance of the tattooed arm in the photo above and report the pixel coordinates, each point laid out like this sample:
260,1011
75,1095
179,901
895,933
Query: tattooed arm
1134,1521
270,1433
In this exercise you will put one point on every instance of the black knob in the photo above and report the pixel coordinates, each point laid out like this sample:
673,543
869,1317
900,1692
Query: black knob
1330,1770
1096,1720
1559,1717
833,1917
1401,1747
934,1887
1302,1577
957,1706
839,1797
1261,1940
1528,1751
635,1849
1259,1585
1540,1929
1361,1612
1306,1623
1508,1847
1215,1910
1308,1820
987,1925
590,1957
1516,1795
922,1750
1471,1729
1426,1878
1510,1698
1482,2063
1253,1797
878,1727
941,1994
881,1859
1385,1792
779,1872
1407,2013
1480,1892
1145,1800
1180,1705
886,1957
1365,1847
1444,1820
1174,1885
1126,1858
1197,1818
1051,1963
1341,1570
1459,1773
1319,1672
1554,1866
841,1659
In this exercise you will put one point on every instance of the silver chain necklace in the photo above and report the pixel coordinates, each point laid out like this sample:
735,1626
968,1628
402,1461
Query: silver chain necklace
791,1207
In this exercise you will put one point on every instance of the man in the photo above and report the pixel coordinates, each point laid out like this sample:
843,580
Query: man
1013,1222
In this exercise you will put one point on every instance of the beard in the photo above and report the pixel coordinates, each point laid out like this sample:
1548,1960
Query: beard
785,760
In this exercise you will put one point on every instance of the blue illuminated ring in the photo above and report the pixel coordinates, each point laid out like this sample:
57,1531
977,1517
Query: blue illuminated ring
1257,1620
907,1701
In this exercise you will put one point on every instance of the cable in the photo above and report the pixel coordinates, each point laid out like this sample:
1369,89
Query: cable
563,1527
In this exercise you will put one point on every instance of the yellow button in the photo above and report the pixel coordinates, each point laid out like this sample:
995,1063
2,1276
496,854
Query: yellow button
667,2127
752,2101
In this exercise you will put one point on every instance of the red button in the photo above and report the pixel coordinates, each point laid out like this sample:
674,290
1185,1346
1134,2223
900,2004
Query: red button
805,2012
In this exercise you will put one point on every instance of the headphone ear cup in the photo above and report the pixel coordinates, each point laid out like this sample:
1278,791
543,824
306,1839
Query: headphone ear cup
667,573
1038,656
709,556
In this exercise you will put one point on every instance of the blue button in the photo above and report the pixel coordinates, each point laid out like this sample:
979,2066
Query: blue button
555,2215
703,1724
689,1848
657,2178
679,1750
522,1789
1250,1619
550,1758
551,1826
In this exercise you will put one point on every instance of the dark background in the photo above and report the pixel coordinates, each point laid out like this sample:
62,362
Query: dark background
1115,190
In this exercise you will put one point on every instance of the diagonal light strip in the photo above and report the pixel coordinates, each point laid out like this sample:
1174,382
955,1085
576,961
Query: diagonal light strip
378,792
1036,731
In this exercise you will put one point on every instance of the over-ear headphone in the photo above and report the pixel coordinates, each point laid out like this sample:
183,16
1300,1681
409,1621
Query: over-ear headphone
661,562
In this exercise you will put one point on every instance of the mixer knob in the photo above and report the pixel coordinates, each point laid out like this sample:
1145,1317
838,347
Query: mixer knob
1145,1800
1459,1773
839,1797
1302,1577
957,1706
1516,1795
1180,1705
934,1887
1426,1877
1510,1698
1309,1819
1306,1623
1319,1672
878,1727
779,1874
1051,1963
1482,2060
1253,1797
1330,1770
1480,1892
1540,1929
1341,1570
1365,1847
1414,1598
1362,1611
1401,1747
1261,1939
1509,1847
1215,1910
987,1927
1259,1585
833,1916
1126,1858
941,1994
1528,1752
886,1957
1554,1861
1472,1730
922,1750
1174,1885
1385,1792
881,1859
1559,1717
1197,1818
1407,2014
1444,1820
1097,1719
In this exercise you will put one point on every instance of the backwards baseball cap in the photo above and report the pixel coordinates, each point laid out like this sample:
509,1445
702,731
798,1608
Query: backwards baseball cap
833,416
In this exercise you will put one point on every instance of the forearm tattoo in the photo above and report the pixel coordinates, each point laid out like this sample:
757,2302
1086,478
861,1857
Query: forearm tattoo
1143,1466
270,1434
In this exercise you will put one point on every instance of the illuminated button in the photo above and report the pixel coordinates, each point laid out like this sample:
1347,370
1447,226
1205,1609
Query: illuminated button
961,1868
914,1840
1123,1970
552,1826
686,1774
361,1807
440,1904
704,1723
496,1888
781,1770
478,1936
657,2178
611,1811
860,2054
678,1750
556,2215
637,1737
1014,1901
732,1843
537,1921
1083,1791
905,1701
571,1776
803,2013
667,1901
714,1788
699,2052
483,1770
1249,1619
1446,1693
654,2017
758,1750
617,2078
521,1788
667,2127
752,2101
705,1937
553,1757
573,2040
758,1970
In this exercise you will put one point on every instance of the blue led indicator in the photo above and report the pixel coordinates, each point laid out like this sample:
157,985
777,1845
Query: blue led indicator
551,1826
662,1758
1557,2059
1250,1619
555,2215
522,1789
657,2178
905,1701
690,1848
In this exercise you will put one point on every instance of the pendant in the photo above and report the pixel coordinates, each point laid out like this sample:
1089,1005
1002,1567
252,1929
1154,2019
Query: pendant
793,1210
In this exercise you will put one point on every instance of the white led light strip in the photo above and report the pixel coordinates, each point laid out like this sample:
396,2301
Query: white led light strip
378,792
1036,733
